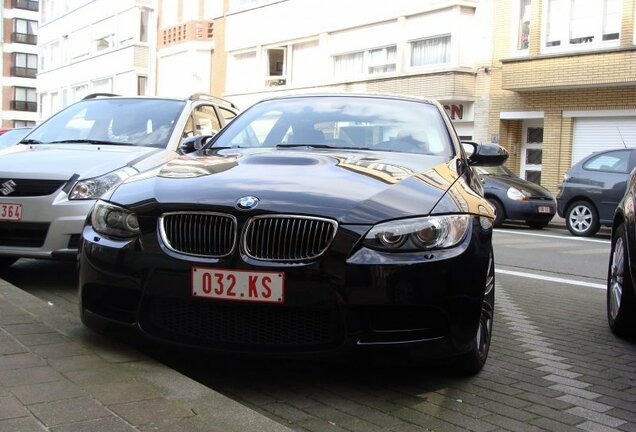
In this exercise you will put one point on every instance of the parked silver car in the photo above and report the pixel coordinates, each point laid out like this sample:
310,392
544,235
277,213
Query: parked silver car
51,179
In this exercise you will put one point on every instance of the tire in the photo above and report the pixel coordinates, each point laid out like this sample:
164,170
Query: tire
581,219
473,361
537,224
7,261
621,304
500,212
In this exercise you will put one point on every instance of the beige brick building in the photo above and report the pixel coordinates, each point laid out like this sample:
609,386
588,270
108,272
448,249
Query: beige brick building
563,82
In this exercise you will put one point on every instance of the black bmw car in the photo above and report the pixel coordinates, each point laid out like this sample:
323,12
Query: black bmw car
515,198
621,290
309,225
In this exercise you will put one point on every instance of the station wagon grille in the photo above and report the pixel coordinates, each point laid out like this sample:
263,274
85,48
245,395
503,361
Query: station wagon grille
28,187
287,238
203,234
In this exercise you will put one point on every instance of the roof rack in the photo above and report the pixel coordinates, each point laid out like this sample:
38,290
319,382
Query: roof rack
96,95
208,97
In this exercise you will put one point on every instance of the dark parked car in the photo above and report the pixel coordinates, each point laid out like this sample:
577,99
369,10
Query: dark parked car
515,198
592,188
310,224
621,291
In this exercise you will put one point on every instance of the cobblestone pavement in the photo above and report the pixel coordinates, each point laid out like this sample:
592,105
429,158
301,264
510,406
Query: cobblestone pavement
553,366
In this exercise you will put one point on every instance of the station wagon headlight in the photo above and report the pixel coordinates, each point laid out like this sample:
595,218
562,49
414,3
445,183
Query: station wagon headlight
433,232
113,220
95,187
516,194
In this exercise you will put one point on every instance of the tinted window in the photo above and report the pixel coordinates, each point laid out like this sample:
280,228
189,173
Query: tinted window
143,122
616,161
341,122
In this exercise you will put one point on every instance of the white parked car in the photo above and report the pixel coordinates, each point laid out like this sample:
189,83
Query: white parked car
51,179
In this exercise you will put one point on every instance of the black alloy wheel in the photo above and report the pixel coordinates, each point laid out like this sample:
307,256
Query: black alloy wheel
621,304
500,213
473,361
582,219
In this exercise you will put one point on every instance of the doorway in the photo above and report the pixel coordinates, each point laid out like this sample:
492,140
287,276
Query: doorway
531,150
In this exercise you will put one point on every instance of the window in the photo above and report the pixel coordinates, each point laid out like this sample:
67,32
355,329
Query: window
32,5
79,91
276,66
431,51
80,43
25,31
142,85
102,85
143,25
25,65
370,62
582,23
227,115
104,35
616,161
24,99
242,72
23,123
203,122
523,31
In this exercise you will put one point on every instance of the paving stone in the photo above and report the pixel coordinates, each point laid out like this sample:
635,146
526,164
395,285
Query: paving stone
189,424
105,424
20,361
595,427
34,375
596,417
22,424
149,411
288,412
41,339
557,415
78,363
23,329
16,318
57,350
46,392
68,411
10,408
93,376
585,403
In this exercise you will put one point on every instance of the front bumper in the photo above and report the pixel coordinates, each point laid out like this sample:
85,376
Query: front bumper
529,210
50,227
346,299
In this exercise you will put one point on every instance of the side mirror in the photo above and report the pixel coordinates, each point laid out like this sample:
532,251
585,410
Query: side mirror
484,154
193,143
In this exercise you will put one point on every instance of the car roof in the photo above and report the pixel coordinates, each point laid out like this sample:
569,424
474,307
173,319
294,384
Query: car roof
194,97
354,95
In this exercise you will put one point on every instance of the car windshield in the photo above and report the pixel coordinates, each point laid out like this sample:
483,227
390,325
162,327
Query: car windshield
382,124
135,121
498,170
13,136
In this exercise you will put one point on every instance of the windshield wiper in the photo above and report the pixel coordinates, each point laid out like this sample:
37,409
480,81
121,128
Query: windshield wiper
89,141
30,141
324,146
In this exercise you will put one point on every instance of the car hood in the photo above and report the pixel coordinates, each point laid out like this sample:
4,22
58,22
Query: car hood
349,186
528,188
61,161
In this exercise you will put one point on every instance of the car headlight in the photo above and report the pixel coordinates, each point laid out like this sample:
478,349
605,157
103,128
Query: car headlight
424,233
113,220
516,194
95,187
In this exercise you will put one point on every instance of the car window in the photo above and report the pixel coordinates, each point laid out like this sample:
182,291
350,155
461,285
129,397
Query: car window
134,121
374,123
226,114
205,120
616,161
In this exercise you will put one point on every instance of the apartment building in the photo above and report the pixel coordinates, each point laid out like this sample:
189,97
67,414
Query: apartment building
19,62
435,48
187,38
95,46
563,82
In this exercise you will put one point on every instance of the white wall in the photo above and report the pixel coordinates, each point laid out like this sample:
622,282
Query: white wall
185,69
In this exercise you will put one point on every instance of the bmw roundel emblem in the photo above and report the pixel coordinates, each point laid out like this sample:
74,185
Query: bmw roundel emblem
246,203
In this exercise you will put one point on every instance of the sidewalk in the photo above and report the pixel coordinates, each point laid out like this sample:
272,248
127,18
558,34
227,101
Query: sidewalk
57,376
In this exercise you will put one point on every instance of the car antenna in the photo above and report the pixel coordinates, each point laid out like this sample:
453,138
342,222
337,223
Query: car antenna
621,135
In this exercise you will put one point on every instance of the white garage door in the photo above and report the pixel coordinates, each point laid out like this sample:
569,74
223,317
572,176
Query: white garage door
601,133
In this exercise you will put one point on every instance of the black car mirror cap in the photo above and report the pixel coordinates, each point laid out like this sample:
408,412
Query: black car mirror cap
485,154
193,143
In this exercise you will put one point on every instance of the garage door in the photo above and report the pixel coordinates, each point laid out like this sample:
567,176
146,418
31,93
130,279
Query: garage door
601,133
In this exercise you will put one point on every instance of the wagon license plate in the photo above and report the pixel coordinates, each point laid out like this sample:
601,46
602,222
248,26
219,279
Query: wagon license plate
544,209
238,285
10,212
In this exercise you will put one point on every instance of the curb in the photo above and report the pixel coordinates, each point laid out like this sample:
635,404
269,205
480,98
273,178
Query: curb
212,411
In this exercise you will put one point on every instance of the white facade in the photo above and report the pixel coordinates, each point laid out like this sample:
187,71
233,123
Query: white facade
400,46
94,46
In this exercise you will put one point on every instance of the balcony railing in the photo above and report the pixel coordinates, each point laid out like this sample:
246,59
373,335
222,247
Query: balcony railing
25,38
23,72
32,5
18,105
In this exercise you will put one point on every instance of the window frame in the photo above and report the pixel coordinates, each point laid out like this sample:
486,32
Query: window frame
410,46
24,104
367,64
15,68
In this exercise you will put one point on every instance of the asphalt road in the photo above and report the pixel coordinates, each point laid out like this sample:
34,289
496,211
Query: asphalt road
554,365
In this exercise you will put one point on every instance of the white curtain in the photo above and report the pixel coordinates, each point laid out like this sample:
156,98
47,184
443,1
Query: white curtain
306,64
582,19
612,19
555,22
348,65
430,51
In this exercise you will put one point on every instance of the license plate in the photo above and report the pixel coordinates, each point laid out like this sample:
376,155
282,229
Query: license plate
10,212
238,285
544,209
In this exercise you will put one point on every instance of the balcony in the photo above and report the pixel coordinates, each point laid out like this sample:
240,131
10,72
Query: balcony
17,105
186,32
32,5
25,38
571,71
23,72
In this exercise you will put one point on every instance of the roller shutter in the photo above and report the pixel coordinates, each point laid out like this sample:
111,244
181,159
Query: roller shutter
601,133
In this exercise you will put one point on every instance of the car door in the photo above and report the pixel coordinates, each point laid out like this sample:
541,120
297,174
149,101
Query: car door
608,173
